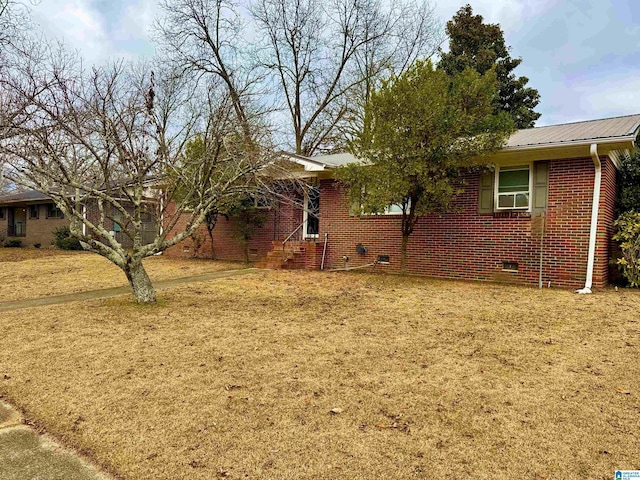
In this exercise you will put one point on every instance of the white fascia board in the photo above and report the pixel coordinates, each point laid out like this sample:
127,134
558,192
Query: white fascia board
308,164
513,155
311,167
622,140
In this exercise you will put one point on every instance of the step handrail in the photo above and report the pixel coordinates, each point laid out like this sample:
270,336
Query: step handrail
293,233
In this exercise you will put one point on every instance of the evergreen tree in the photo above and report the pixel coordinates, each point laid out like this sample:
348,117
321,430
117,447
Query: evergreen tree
421,130
481,46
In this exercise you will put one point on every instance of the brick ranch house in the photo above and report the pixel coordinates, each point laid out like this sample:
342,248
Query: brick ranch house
551,196
32,217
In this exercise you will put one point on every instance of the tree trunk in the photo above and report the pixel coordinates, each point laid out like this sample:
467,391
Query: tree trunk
213,253
403,253
140,283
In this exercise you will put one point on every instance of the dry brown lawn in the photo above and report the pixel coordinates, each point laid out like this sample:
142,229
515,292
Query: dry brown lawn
237,378
27,273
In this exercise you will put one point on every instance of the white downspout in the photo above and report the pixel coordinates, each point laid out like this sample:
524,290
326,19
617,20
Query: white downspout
594,219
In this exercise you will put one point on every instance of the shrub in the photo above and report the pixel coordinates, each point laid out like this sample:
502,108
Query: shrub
628,235
629,183
13,243
64,241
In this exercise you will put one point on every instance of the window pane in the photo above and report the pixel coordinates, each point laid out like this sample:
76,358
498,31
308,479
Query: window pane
505,201
522,200
393,209
513,180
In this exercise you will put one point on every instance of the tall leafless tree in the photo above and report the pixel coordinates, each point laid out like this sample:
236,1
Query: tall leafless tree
14,19
206,39
316,60
14,42
112,142
326,56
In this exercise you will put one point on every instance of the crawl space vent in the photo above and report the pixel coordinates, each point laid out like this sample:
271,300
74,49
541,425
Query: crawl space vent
510,266
383,259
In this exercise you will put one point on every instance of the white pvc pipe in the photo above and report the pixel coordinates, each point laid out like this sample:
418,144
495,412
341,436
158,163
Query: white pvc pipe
84,215
594,219
324,250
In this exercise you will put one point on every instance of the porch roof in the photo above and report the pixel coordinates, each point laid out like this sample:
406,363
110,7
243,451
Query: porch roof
28,196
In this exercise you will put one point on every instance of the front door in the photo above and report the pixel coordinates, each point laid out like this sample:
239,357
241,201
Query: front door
17,222
20,222
311,226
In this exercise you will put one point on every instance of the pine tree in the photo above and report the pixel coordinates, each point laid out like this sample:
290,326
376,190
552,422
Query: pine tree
481,46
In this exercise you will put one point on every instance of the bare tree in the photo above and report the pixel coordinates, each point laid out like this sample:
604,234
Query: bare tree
108,146
15,45
14,18
206,38
326,56
316,60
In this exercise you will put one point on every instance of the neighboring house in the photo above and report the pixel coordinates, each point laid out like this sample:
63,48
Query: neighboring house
548,207
32,217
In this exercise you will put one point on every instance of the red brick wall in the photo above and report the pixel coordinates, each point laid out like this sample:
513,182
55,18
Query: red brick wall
468,245
464,244
605,245
281,220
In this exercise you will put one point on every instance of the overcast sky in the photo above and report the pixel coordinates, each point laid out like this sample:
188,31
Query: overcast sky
582,55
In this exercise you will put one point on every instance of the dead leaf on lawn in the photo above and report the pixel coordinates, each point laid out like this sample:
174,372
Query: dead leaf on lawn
623,391
335,411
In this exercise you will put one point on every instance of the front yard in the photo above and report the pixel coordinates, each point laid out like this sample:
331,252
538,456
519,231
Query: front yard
27,273
294,375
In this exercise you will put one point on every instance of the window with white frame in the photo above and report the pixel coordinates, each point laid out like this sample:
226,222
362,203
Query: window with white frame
396,208
393,209
513,187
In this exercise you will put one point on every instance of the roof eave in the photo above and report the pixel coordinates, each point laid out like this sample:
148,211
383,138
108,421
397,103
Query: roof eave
25,201
308,164
552,151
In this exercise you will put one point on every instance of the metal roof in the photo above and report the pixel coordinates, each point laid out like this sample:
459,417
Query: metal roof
606,129
335,160
568,134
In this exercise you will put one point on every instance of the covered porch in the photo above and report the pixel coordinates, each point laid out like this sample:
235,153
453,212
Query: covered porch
16,221
29,216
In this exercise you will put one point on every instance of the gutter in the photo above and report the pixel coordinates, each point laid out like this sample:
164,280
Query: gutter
594,220
605,141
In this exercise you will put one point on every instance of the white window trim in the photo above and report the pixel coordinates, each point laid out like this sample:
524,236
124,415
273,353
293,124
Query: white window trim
386,211
497,185
399,205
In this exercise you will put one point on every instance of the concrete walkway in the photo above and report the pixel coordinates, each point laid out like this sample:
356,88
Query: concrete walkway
27,455
116,291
